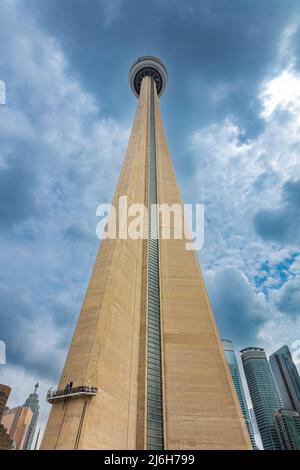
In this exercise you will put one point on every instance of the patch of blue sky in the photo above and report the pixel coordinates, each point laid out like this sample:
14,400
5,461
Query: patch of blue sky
274,276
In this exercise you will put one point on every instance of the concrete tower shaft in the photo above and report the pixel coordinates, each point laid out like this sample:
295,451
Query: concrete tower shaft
146,337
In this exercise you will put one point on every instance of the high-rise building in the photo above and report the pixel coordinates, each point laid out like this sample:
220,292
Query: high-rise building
17,421
6,442
263,393
255,429
287,424
4,394
237,382
287,378
146,368
32,402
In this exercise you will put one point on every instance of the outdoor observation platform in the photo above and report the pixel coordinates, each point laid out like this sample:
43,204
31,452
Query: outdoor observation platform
150,66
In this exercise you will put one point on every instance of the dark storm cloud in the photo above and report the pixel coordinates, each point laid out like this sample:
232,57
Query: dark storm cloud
281,224
17,186
206,45
19,319
238,309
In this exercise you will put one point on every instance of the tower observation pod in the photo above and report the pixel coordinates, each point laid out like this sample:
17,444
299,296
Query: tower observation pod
146,368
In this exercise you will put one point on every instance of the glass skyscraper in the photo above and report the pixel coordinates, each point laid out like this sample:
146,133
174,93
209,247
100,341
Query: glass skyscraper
255,429
287,424
237,382
263,393
287,378
32,402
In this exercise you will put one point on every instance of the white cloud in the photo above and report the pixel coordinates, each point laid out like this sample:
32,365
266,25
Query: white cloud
235,178
282,93
285,47
14,124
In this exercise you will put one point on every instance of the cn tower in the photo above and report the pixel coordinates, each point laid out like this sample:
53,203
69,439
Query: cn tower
146,367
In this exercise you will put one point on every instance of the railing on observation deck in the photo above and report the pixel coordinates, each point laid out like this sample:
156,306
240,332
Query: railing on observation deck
71,392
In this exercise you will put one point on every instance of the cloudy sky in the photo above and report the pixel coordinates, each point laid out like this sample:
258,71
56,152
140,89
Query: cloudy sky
232,117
